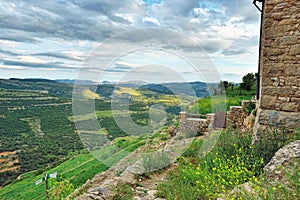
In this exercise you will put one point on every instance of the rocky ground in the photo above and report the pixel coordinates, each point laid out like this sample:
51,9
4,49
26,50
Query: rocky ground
141,171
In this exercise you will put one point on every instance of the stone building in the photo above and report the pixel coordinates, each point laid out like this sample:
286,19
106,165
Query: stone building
279,103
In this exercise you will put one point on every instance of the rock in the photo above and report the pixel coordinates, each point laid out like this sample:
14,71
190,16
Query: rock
96,197
98,190
172,131
127,177
136,168
283,161
246,188
151,194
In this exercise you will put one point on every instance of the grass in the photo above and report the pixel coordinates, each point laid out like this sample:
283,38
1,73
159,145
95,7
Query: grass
234,160
263,188
77,170
216,103
89,94
123,192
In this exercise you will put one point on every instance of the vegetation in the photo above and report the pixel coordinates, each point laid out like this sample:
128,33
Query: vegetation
73,173
38,135
249,80
123,191
234,97
233,160
37,132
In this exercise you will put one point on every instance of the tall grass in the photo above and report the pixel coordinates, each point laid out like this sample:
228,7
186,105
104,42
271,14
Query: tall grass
234,160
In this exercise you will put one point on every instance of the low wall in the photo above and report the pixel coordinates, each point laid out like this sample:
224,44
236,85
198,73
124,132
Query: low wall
237,118
195,124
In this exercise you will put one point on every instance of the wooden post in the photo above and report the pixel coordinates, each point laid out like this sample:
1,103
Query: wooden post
46,183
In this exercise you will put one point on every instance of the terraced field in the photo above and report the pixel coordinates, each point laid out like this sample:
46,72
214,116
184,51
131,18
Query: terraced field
77,170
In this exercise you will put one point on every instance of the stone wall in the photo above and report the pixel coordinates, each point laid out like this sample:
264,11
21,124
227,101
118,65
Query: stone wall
194,124
279,103
237,118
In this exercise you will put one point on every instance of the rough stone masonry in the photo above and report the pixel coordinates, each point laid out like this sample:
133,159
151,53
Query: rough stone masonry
279,104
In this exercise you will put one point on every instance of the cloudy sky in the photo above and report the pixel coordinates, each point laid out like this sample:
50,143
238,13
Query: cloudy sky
129,39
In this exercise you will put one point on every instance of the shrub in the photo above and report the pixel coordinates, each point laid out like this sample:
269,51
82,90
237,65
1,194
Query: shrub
249,107
123,191
155,160
61,189
234,160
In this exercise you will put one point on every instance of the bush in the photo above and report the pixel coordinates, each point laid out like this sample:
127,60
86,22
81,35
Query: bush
155,160
123,191
61,189
234,160
249,107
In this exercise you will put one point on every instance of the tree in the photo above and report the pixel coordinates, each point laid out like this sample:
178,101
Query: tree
231,85
223,85
248,81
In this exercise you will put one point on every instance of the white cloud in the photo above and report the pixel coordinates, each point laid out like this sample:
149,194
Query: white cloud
31,59
228,31
151,20
11,67
8,43
65,32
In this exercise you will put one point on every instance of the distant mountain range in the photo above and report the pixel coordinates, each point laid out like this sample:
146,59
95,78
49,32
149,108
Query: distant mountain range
64,87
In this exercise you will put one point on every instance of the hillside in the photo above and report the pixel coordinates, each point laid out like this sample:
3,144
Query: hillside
37,130
76,169
44,139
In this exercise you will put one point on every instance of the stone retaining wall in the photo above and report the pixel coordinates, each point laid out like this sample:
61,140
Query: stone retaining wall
237,118
194,124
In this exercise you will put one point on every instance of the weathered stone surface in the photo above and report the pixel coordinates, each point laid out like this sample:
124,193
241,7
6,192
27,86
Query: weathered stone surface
194,125
280,64
295,49
283,161
290,121
136,168
238,118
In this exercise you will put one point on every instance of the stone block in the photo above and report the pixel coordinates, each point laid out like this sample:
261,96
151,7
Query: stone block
294,99
295,49
292,70
268,101
288,40
284,99
290,107
274,91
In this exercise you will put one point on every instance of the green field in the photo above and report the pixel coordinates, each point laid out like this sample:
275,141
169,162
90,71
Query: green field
38,133
77,170
221,102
